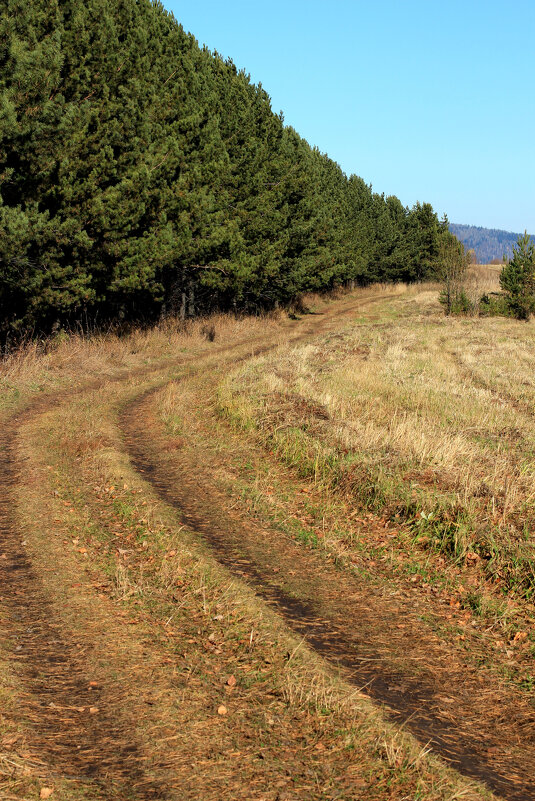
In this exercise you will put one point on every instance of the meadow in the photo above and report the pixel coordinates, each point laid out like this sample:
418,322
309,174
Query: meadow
425,419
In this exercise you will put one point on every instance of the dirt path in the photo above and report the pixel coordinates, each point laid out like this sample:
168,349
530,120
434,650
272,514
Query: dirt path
338,618
486,732
78,725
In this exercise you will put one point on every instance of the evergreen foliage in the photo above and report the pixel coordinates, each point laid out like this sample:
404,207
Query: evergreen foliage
517,278
141,175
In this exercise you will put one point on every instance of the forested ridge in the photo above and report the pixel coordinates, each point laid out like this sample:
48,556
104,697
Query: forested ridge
141,175
487,243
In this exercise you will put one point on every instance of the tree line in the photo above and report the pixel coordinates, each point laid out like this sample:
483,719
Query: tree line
142,175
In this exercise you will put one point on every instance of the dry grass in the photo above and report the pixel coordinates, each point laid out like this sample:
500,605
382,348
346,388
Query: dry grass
428,420
481,279
255,484
315,735
111,553
67,360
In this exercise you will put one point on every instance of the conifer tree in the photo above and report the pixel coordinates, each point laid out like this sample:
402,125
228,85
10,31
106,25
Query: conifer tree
517,278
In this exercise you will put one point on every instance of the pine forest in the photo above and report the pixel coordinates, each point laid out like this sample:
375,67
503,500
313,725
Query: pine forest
144,176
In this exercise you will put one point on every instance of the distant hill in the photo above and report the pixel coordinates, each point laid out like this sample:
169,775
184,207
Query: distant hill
488,243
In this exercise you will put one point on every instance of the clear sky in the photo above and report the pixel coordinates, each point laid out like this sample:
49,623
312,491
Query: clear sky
426,100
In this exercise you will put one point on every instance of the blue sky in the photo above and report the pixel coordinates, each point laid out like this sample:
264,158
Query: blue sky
428,101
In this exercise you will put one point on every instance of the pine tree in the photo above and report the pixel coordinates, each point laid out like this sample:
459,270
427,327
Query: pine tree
517,278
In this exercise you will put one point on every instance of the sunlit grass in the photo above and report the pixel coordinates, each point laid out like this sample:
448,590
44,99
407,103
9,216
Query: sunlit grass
426,419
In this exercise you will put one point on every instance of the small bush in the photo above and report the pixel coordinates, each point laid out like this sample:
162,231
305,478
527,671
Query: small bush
495,304
456,303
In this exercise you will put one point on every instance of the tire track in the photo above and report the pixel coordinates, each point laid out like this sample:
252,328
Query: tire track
99,749
95,747
488,749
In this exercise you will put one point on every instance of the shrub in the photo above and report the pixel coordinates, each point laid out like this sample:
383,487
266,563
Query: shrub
495,304
456,302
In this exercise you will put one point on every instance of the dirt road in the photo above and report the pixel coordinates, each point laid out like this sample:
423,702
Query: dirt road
94,696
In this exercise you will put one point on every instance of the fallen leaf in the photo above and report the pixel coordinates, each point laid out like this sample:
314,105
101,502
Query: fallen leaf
231,681
46,792
222,710
93,710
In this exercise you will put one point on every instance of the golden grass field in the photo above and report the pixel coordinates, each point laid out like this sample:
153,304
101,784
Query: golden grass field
375,438
427,419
